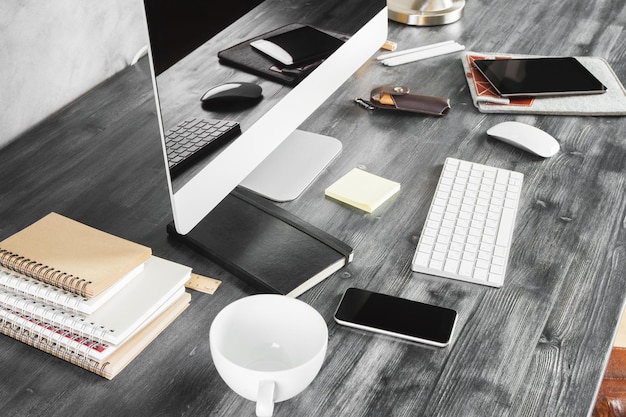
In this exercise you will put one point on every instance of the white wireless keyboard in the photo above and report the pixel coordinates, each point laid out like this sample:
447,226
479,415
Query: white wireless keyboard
468,230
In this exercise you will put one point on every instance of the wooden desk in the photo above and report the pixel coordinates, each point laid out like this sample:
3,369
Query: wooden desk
535,347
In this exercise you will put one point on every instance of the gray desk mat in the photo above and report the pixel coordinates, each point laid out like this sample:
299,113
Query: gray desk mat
611,103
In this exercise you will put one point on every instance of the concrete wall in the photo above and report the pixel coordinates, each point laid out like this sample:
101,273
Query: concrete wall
51,52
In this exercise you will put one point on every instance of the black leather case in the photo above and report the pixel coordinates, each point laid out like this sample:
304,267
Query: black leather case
403,100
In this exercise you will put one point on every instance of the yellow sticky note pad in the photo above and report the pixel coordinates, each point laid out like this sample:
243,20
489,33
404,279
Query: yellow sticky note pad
362,190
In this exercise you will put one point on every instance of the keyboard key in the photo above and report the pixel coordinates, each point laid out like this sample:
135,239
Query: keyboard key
193,138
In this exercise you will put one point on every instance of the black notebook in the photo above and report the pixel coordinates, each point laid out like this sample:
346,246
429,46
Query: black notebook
265,245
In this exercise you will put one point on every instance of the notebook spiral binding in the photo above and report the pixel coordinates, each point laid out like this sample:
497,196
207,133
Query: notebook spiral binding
65,353
44,273
45,293
65,320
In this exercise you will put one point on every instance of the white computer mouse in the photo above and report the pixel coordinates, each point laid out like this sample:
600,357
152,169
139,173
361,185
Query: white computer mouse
526,137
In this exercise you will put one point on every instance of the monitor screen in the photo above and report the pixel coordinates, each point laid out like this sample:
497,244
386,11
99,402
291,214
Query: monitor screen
179,27
196,45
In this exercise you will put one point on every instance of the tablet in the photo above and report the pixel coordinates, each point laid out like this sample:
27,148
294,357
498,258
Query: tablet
551,76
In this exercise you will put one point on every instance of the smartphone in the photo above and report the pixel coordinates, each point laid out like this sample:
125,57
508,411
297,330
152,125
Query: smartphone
394,316
529,77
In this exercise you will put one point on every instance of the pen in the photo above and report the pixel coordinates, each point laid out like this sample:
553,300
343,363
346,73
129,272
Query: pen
412,50
428,53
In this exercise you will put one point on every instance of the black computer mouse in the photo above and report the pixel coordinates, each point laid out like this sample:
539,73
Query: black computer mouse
232,94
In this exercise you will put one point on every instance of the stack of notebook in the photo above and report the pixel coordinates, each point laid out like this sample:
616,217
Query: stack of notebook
85,296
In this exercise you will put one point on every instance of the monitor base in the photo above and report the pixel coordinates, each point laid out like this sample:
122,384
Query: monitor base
291,167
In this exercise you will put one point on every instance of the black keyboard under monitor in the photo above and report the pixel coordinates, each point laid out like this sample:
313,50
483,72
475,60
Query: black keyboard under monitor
193,138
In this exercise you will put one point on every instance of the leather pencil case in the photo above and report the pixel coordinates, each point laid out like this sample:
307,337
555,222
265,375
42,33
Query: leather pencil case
399,98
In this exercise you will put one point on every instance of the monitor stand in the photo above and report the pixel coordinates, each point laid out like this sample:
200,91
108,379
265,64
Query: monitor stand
262,243
292,166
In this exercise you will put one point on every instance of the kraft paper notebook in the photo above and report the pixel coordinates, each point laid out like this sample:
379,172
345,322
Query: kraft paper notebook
115,362
265,245
70,255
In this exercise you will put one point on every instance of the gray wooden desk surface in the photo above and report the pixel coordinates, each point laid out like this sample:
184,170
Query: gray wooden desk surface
535,347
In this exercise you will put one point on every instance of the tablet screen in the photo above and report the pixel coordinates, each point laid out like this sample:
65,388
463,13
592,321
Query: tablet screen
539,76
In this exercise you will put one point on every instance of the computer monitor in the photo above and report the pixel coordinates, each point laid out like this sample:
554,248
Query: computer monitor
185,65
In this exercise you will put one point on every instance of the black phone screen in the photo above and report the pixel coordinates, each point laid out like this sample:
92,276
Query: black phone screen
396,316
539,76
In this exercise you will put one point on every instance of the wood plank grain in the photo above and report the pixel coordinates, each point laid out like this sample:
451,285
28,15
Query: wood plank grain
535,347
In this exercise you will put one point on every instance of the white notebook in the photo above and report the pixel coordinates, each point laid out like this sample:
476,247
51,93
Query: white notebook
68,341
117,319
52,295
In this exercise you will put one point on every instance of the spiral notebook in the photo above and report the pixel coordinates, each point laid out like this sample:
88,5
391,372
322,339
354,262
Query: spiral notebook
74,340
117,360
118,318
37,290
70,255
